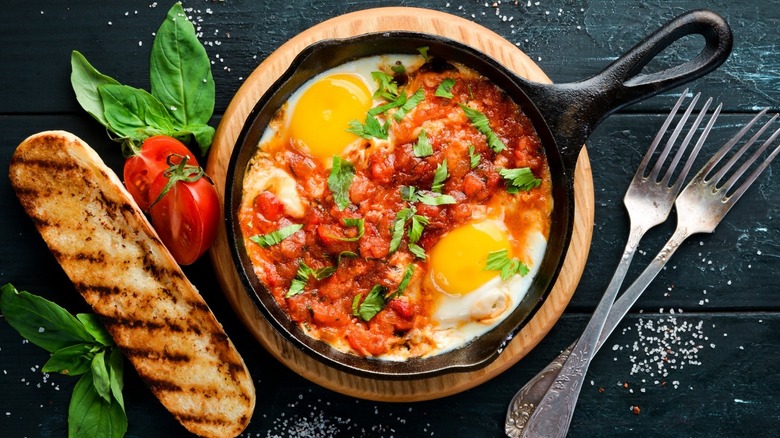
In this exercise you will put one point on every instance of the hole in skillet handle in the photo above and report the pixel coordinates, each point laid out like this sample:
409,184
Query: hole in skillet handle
562,114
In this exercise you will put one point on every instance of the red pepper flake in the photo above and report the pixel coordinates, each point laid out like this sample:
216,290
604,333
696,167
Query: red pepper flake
625,384
635,410
601,390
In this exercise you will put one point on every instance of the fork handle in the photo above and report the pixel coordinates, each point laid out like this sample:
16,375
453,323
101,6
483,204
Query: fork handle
527,399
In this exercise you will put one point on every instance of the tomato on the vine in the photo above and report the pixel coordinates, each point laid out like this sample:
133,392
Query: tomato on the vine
141,169
184,210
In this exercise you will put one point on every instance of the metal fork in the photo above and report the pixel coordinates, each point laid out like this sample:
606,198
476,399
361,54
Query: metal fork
700,208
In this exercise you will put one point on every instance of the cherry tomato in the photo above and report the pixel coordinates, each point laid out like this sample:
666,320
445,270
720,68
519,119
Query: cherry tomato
186,216
141,169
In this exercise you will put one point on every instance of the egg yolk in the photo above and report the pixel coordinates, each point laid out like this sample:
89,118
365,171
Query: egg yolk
323,112
458,260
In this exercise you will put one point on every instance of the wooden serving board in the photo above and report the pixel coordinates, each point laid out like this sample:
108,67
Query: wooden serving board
357,23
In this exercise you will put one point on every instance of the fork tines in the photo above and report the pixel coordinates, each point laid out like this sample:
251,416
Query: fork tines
730,184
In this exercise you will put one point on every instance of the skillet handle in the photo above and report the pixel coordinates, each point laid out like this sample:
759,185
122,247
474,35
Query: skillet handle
574,110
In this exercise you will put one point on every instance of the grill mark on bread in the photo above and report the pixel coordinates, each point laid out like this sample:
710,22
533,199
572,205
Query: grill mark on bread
116,261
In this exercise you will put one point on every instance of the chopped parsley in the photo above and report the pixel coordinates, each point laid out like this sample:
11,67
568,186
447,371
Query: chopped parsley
339,181
358,223
417,226
500,261
409,193
424,53
398,68
399,226
371,129
519,179
411,102
445,88
373,304
439,177
302,277
399,100
408,273
417,250
434,199
481,123
419,223
274,237
474,158
423,147
388,88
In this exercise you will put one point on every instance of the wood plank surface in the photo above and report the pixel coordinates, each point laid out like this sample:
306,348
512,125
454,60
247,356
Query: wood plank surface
726,284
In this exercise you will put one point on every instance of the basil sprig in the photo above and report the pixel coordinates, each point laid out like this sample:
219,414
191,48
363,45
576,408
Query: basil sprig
80,346
182,99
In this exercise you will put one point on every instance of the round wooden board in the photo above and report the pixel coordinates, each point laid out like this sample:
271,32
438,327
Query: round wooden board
357,23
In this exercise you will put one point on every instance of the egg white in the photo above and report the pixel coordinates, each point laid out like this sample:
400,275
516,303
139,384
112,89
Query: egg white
455,315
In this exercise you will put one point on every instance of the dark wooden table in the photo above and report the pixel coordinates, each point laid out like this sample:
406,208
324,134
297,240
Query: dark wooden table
713,313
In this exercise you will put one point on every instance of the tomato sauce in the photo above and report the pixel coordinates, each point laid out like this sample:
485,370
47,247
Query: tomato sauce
325,308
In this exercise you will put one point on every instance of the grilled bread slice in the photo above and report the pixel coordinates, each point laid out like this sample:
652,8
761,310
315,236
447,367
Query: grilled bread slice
117,262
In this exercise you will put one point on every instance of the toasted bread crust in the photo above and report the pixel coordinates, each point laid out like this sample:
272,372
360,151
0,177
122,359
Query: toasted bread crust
116,261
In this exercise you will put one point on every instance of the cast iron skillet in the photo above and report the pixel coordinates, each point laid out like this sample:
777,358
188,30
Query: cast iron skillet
563,115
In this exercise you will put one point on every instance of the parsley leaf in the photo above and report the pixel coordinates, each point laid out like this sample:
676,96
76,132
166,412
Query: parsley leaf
520,179
423,147
445,88
418,225
417,250
439,177
274,237
411,102
371,129
408,273
409,193
339,181
398,68
500,261
373,304
474,158
302,277
424,52
359,223
400,100
388,88
398,227
481,123
432,198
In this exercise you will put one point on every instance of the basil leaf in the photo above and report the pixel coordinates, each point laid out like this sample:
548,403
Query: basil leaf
481,123
203,134
85,80
100,375
116,371
423,147
339,181
411,102
95,328
180,71
91,415
520,179
435,199
474,158
133,113
275,237
40,321
373,304
445,88
71,361
439,177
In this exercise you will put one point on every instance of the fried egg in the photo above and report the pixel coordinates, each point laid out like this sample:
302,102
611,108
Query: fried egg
471,300
319,112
